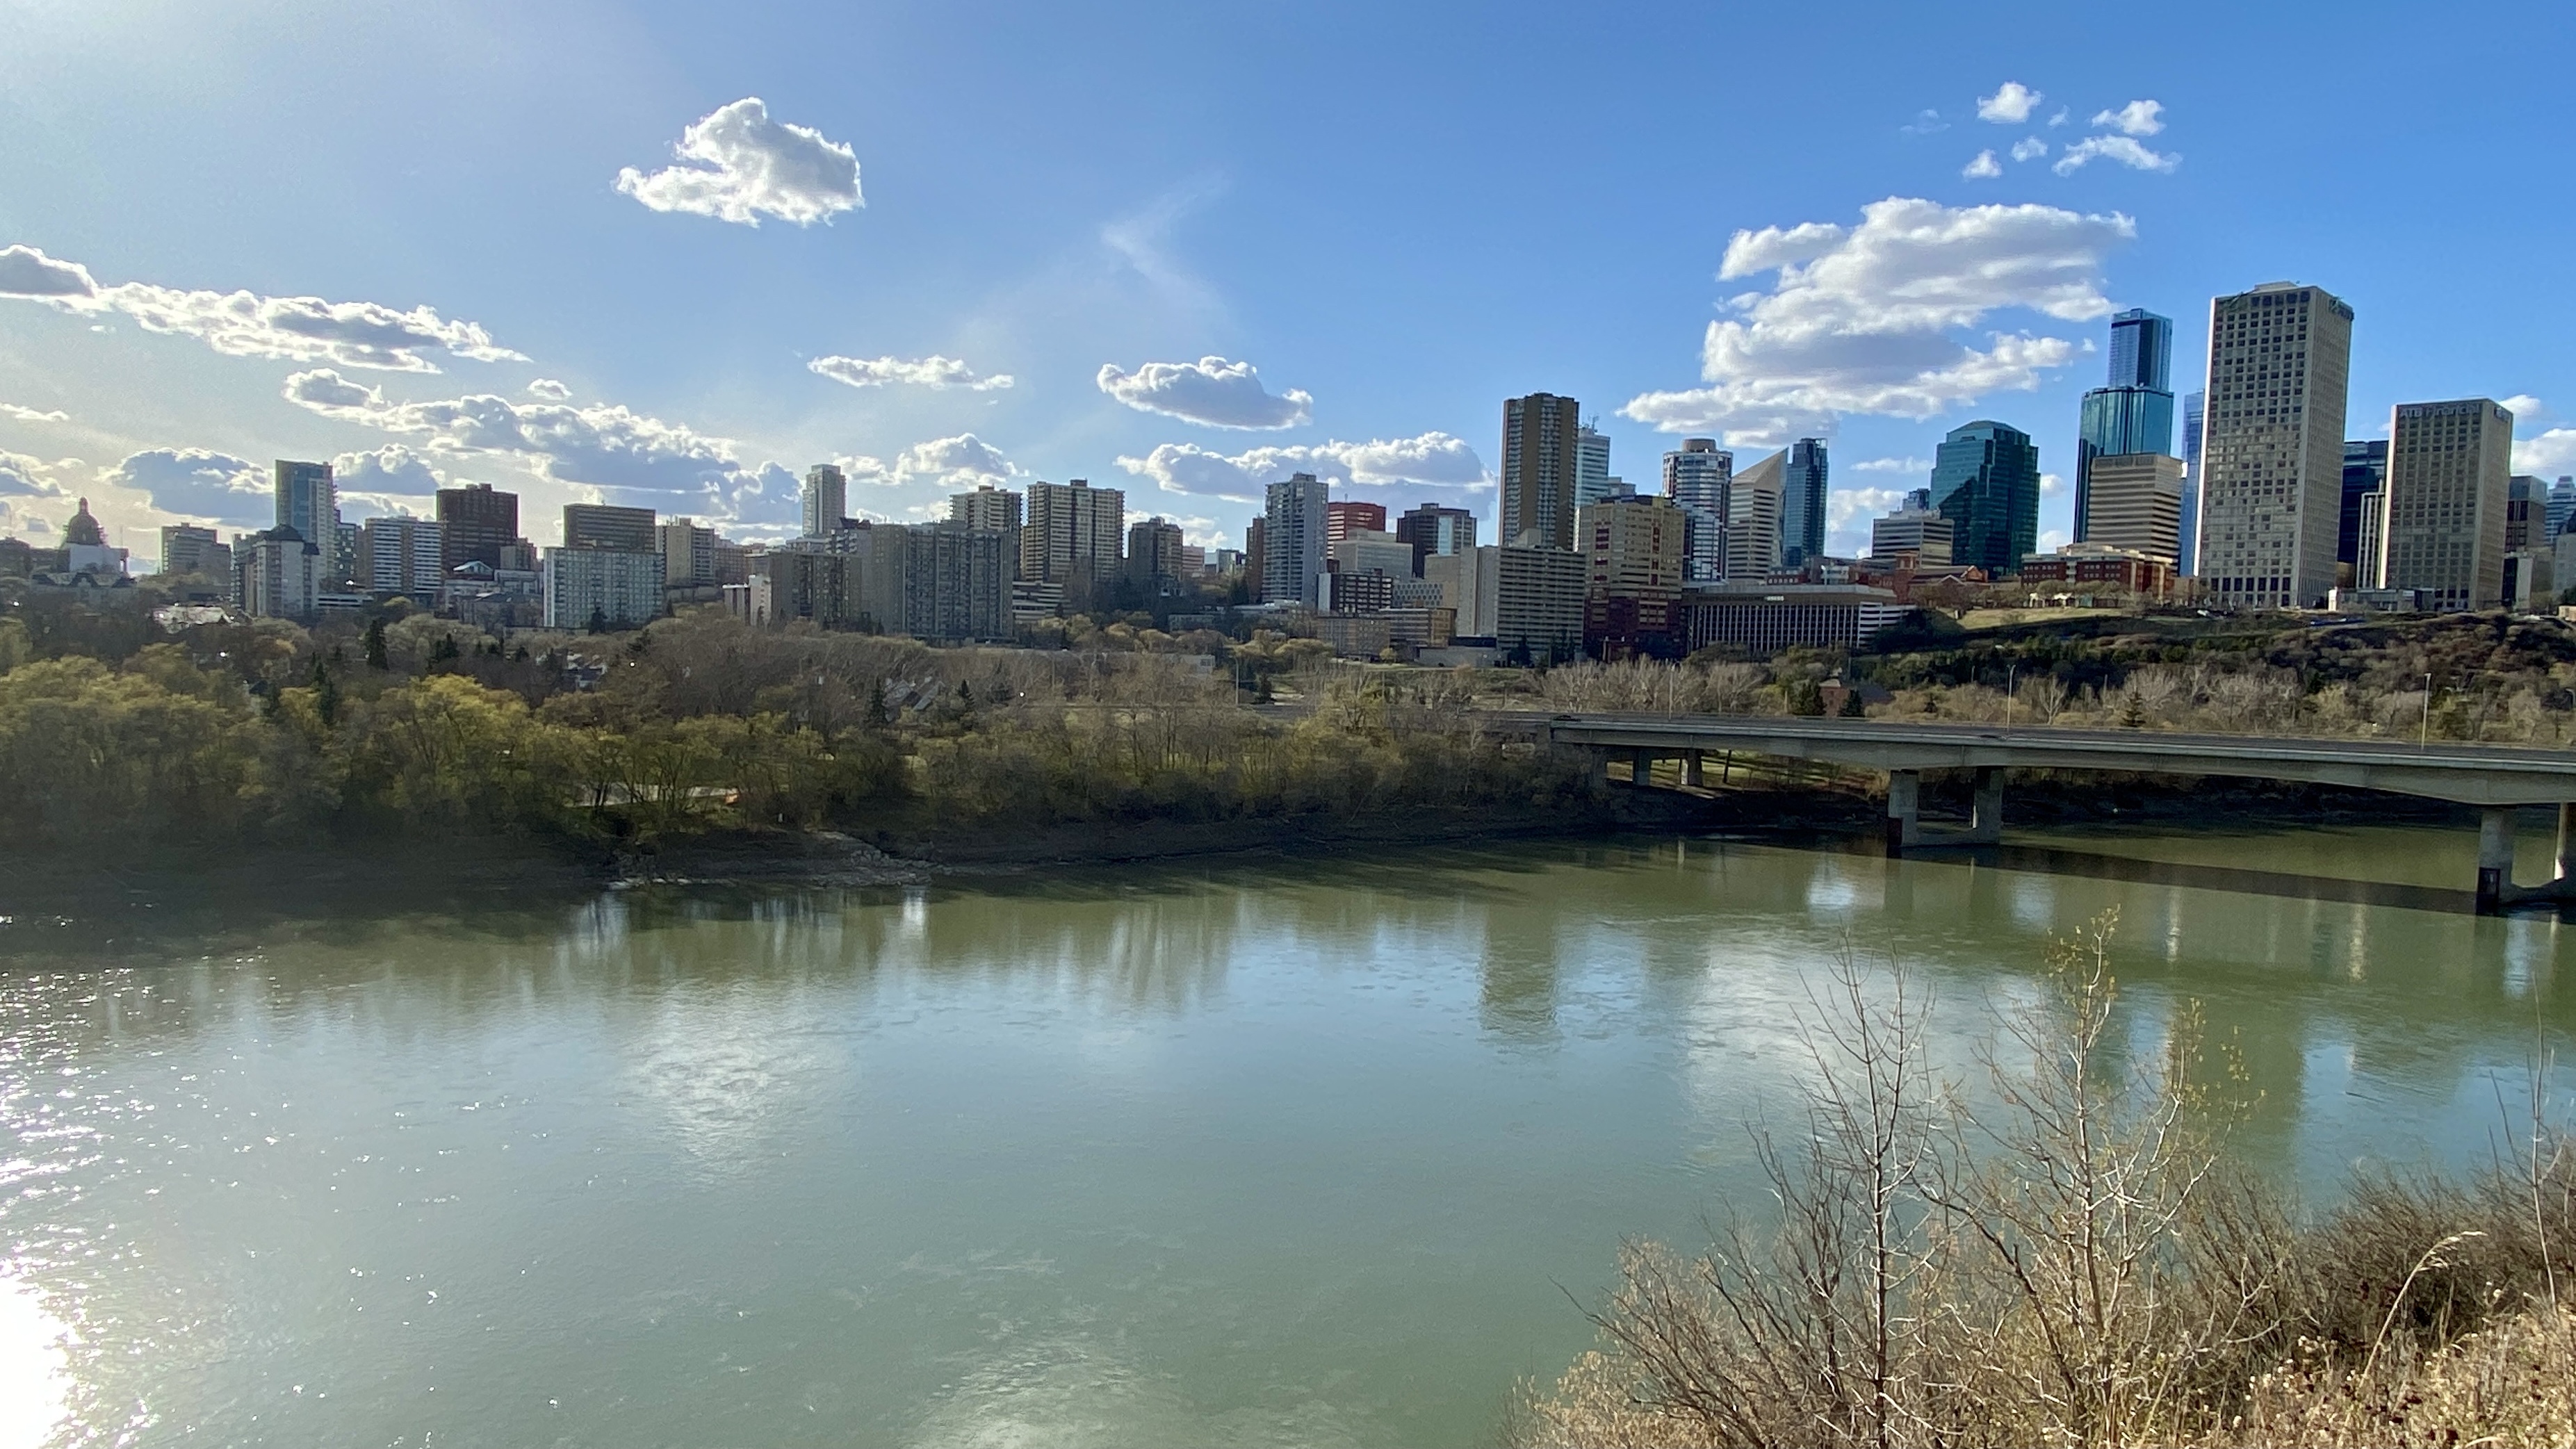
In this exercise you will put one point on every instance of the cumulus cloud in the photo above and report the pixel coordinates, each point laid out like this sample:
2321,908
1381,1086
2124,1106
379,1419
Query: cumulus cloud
32,415
2051,484
1925,123
546,389
195,483
2525,408
2009,106
25,477
1864,319
245,324
2029,147
738,165
933,372
1848,512
959,462
2114,148
2062,117
2137,118
1982,167
390,470
1210,391
2547,455
605,447
1433,458
1892,465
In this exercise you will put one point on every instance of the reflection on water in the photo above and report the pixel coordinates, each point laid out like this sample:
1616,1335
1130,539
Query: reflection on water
1292,1152
33,1370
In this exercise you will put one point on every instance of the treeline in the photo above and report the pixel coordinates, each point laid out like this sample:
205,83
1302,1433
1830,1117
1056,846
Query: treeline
429,728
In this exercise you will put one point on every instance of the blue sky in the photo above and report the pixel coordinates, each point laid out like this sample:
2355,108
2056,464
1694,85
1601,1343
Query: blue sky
1349,231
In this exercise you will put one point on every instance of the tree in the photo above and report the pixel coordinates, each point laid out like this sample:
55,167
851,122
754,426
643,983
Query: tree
326,694
375,643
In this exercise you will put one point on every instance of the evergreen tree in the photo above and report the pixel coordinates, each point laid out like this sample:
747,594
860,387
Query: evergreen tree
375,643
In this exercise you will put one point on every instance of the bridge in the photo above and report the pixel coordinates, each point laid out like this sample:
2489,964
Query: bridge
2497,779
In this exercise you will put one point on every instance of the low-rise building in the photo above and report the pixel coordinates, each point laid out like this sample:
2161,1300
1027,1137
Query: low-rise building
1762,620
2100,567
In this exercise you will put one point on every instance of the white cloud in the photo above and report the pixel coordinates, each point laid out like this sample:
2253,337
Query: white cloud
2061,118
959,462
2029,147
195,483
738,165
2009,106
546,389
390,470
933,372
1848,512
245,324
1433,458
1925,123
2050,485
25,477
2547,456
2052,539
31,415
1210,391
1863,320
2137,118
2114,148
1892,465
1982,167
606,447
2526,409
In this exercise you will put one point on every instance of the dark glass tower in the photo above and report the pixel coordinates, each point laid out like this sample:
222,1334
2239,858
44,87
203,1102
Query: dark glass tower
2135,413
1802,504
2365,471
1986,482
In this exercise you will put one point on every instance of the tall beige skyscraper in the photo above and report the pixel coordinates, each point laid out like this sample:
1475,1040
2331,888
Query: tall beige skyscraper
1541,463
2443,518
1072,528
2134,501
2272,462
1753,507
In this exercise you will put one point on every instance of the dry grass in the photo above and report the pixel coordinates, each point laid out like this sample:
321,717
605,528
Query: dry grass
2066,1258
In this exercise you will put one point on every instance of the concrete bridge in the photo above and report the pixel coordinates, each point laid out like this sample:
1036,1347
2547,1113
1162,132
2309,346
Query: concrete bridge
2495,778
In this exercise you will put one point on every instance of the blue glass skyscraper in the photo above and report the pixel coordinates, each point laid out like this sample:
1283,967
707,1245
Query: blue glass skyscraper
1802,504
2135,413
1985,480
2192,409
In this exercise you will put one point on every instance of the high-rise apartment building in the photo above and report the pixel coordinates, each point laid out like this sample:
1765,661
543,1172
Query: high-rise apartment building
277,574
1072,530
1697,477
401,556
608,526
1633,584
1345,516
1154,554
991,510
188,549
688,554
1591,466
2194,417
2136,504
1434,530
1985,480
1753,509
2365,471
1293,541
607,588
2134,414
826,499
1802,503
2272,463
2448,466
475,523
1540,464
308,501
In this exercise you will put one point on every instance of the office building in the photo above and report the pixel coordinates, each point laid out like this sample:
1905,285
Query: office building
826,500
1915,528
1072,532
1540,433
1633,575
2134,413
188,549
1697,476
308,501
2272,464
1985,480
1466,581
1802,503
2365,471
2136,504
1256,558
589,586
2094,568
1433,528
608,526
2448,465
2194,411
1154,555
1364,551
688,554
1538,603
1344,516
2522,515
402,556
2561,505
2369,570
1760,620
475,523
992,510
1292,543
1753,506
277,574
1592,478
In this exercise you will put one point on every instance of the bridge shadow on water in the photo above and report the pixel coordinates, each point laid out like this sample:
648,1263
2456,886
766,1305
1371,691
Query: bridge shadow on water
2049,860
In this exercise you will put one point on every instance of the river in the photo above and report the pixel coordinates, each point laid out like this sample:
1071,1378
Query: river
1249,1152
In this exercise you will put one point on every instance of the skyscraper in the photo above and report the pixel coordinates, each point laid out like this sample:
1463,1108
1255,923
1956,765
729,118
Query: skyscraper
309,502
2448,466
1753,517
1346,516
474,524
607,526
1591,466
1072,529
991,510
1293,547
2134,414
1539,468
2272,466
1436,530
2194,409
2365,471
1802,503
1697,476
827,499
1985,480
2561,505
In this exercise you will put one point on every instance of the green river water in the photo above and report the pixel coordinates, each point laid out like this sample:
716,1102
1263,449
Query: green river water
1250,1152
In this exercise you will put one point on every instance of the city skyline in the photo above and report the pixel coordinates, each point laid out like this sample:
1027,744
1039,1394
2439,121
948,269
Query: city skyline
1166,342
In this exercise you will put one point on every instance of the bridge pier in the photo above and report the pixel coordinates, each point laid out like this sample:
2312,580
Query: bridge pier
1694,774
1641,768
1904,812
1986,825
2566,844
2495,856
